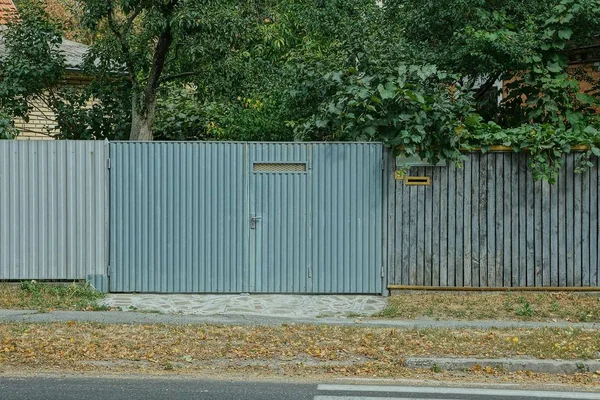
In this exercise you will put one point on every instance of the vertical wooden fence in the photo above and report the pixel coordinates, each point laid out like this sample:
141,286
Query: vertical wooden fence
489,224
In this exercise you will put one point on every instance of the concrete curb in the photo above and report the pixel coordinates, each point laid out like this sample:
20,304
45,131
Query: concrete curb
131,317
505,364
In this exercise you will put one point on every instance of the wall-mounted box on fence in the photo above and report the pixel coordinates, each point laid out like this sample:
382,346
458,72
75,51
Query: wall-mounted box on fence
417,181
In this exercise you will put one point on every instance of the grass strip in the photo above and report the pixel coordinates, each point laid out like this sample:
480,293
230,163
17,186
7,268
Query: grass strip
558,306
34,295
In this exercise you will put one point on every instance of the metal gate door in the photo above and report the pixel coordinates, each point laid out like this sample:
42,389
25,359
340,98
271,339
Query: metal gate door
177,218
279,218
246,217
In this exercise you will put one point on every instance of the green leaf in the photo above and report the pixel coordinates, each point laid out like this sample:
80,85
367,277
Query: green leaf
565,33
554,67
586,98
566,19
385,93
370,130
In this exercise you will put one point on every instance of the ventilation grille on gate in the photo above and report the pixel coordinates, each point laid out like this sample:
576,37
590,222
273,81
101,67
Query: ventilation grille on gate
279,167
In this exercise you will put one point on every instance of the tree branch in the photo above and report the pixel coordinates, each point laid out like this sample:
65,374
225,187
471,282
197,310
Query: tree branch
160,56
177,76
122,39
131,18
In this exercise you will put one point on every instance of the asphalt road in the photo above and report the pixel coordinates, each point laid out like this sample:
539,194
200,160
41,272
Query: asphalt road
176,389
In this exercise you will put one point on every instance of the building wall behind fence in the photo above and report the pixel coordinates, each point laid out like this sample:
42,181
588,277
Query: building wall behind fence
53,210
489,224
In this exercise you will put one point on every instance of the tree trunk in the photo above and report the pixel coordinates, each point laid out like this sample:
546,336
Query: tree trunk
144,104
142,117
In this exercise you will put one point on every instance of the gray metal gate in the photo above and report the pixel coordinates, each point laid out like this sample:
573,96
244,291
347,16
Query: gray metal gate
246,217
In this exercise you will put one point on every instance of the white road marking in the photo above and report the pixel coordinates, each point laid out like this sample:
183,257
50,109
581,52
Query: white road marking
369,398
461,391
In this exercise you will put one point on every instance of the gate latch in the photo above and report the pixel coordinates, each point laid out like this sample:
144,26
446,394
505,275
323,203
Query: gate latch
253,220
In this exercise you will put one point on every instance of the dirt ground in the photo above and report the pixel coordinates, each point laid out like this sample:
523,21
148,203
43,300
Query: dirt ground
286,351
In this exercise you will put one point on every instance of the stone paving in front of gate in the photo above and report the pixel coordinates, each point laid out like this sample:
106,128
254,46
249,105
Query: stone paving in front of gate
298,306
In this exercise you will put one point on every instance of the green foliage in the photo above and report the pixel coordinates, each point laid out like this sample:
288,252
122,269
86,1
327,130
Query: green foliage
525,309
416,109
100,110
546,143
43,296
183,116
33,73
32,67
418,76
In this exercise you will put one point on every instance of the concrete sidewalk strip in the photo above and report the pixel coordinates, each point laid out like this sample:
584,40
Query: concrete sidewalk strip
118,317
504,364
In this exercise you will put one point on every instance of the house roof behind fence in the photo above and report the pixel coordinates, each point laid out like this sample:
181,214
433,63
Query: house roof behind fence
73,52
8,11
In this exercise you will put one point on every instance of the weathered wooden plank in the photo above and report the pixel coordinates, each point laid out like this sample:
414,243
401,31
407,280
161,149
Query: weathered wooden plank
451,225
460,227
562,227
391,213
554,243
468,194
514,245
569,221
585,228
475,211
491,221
530,241
537,232
507,215
577,224
405,244
499,221
427,230
594,225
523,179
483,222
437,241
444,242
545,242
414,232
420,211
399,228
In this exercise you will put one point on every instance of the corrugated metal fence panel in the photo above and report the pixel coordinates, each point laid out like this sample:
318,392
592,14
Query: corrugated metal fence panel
178,217
489,224
53,213
347,218
181,217
280,241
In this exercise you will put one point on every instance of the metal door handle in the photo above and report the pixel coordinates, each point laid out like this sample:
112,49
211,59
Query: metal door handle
253,220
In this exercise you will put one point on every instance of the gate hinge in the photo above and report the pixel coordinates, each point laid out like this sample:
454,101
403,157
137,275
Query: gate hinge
108,163
108,270
382,273
382,164
310,272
